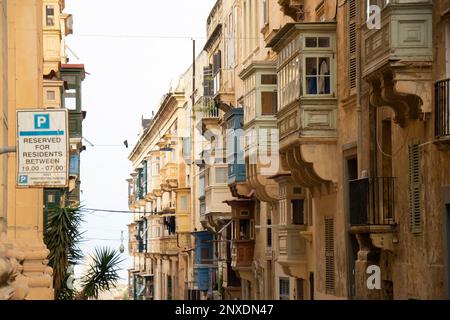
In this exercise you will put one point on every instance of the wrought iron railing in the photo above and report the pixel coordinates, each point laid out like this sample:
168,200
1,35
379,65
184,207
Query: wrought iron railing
372,201
442,109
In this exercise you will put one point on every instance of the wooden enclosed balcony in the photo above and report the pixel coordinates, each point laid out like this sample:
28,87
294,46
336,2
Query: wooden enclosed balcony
242,253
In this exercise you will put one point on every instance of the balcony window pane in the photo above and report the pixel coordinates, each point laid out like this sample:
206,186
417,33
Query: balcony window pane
324,42
70,99
284,288
298,212
311,42
269,103
221,175
183,203
318,78
244,230
50,15
269,233
269,79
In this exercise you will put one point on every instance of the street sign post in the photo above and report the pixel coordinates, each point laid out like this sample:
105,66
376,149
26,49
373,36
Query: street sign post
42,149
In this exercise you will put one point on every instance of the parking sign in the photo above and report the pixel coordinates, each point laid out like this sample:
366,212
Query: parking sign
42,149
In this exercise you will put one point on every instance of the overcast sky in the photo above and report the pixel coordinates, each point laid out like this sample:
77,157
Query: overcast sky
128,74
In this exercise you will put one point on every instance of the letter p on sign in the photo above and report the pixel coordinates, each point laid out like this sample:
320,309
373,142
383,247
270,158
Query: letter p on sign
42,121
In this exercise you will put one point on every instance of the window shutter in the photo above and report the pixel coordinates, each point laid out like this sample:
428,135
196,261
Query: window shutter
415,206
352,54
329,256
207,81
144,178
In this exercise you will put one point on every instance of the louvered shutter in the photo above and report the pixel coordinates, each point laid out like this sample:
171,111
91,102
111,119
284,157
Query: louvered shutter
352,54
329,256
208,81
144,178
415,206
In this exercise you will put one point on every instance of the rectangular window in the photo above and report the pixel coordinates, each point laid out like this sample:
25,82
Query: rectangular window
244,230
70,99
201,185
269,79
221,175
317,42
298,214
269,101
50,16
183,203
269,233
204,256
284,289
300,289
266,11
318,75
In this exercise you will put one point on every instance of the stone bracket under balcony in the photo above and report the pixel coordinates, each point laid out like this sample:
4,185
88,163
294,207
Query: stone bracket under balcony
292,8
311,164
265,189
408,94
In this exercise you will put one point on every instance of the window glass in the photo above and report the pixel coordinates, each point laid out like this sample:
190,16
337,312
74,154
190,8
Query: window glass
183,203
268,79
284,288
70,99
244,230
221,175
311,42
298,212
50,15
318,78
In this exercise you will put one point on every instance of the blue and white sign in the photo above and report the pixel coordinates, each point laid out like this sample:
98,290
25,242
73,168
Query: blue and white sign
42,149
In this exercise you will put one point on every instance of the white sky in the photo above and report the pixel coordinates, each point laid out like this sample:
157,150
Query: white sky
128,77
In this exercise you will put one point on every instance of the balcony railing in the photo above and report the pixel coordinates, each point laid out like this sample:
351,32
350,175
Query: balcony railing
372,202
207,108
442,112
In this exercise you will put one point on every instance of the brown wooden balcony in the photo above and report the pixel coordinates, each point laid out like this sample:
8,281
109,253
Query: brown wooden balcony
242,253
442,110
372,202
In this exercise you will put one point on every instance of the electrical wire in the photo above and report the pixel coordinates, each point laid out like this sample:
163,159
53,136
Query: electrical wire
106,210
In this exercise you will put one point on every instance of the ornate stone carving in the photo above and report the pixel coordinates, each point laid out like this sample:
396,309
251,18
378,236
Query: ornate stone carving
384,93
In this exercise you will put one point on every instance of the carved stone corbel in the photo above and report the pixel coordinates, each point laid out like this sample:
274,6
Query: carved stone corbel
406,104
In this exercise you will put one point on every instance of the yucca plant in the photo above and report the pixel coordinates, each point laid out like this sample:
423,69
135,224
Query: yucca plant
62,236
102,274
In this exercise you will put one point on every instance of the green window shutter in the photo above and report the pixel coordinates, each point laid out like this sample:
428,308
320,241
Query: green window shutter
415,203
329,256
